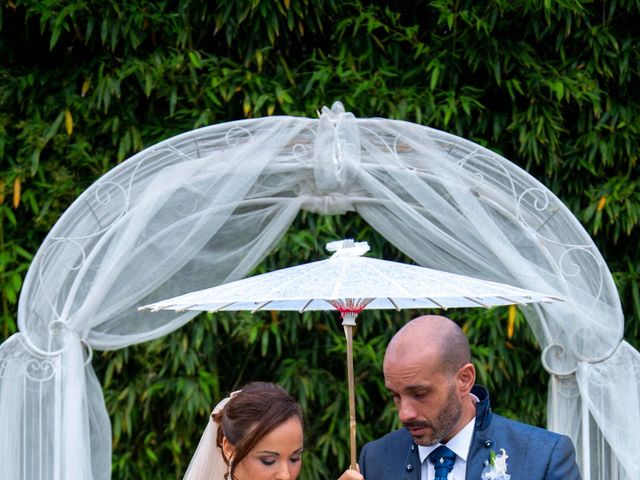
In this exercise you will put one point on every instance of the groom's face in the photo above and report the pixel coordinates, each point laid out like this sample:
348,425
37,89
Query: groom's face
426,398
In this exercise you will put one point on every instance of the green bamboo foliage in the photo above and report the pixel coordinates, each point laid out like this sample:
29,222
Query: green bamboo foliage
553,86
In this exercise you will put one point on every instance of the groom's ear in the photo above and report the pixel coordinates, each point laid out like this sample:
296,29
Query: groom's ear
465,378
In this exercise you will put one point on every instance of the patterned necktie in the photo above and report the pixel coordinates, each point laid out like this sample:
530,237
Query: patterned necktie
443,460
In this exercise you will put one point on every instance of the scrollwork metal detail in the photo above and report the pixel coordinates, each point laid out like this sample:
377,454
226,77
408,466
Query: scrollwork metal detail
40,370
234,134
547,359
103,194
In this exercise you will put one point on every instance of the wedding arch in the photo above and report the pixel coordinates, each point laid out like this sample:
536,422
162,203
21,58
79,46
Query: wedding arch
204,207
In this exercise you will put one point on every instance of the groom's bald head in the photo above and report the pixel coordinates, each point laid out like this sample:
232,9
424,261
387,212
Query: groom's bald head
434,336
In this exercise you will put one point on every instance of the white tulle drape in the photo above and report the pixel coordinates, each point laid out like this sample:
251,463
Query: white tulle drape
205,207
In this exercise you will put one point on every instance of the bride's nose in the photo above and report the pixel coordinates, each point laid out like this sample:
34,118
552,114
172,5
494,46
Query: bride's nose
284,472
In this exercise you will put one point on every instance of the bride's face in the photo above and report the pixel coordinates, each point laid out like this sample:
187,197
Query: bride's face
277,456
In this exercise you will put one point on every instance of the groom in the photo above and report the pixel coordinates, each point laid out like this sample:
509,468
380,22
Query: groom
449,430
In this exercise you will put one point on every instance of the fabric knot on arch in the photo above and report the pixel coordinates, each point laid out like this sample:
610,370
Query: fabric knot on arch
204,207
335,161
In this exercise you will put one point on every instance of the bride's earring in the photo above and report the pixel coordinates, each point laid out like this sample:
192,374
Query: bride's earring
230,466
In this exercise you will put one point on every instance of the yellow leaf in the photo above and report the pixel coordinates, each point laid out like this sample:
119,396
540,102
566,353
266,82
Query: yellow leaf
270,109
17,187
274,316
259,59
68,121
602,203
246,107
85,87
465,328
287,3
512,320
1,191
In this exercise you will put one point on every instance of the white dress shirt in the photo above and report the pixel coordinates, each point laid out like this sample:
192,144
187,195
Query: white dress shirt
459,445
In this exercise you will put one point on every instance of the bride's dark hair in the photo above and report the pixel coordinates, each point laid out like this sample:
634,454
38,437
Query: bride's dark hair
251,414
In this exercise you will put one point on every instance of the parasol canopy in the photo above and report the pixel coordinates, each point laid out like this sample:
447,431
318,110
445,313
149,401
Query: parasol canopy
351,281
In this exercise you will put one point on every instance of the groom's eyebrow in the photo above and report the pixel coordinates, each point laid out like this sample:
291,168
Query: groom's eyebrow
416,388
411,388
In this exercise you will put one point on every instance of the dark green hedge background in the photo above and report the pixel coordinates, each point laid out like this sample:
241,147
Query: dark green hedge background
553,85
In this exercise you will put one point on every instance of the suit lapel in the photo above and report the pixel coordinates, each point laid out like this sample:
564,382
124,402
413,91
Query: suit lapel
411,468
479,453
413,474
481,443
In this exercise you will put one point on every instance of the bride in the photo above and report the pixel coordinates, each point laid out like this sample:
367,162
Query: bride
254,434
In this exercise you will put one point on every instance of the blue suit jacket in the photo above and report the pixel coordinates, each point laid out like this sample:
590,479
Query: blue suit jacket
534,453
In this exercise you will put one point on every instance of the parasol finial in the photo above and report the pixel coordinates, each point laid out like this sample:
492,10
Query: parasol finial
347,247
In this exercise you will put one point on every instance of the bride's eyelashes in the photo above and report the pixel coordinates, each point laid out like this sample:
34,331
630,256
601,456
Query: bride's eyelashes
270,461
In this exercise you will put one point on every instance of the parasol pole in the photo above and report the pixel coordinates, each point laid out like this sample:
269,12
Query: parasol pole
348,322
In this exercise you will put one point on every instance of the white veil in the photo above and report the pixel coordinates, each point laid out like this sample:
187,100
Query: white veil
207,462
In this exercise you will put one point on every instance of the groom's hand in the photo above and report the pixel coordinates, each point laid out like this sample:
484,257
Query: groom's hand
352,474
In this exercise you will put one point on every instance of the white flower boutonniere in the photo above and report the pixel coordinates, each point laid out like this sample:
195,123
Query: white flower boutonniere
497,468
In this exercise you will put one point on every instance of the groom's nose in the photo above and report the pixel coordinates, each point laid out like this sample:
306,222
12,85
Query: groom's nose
406,412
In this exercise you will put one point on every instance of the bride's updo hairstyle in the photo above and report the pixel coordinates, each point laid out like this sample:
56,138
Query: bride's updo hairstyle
251,414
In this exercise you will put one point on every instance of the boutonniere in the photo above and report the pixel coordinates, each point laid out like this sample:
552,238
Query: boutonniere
497,467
